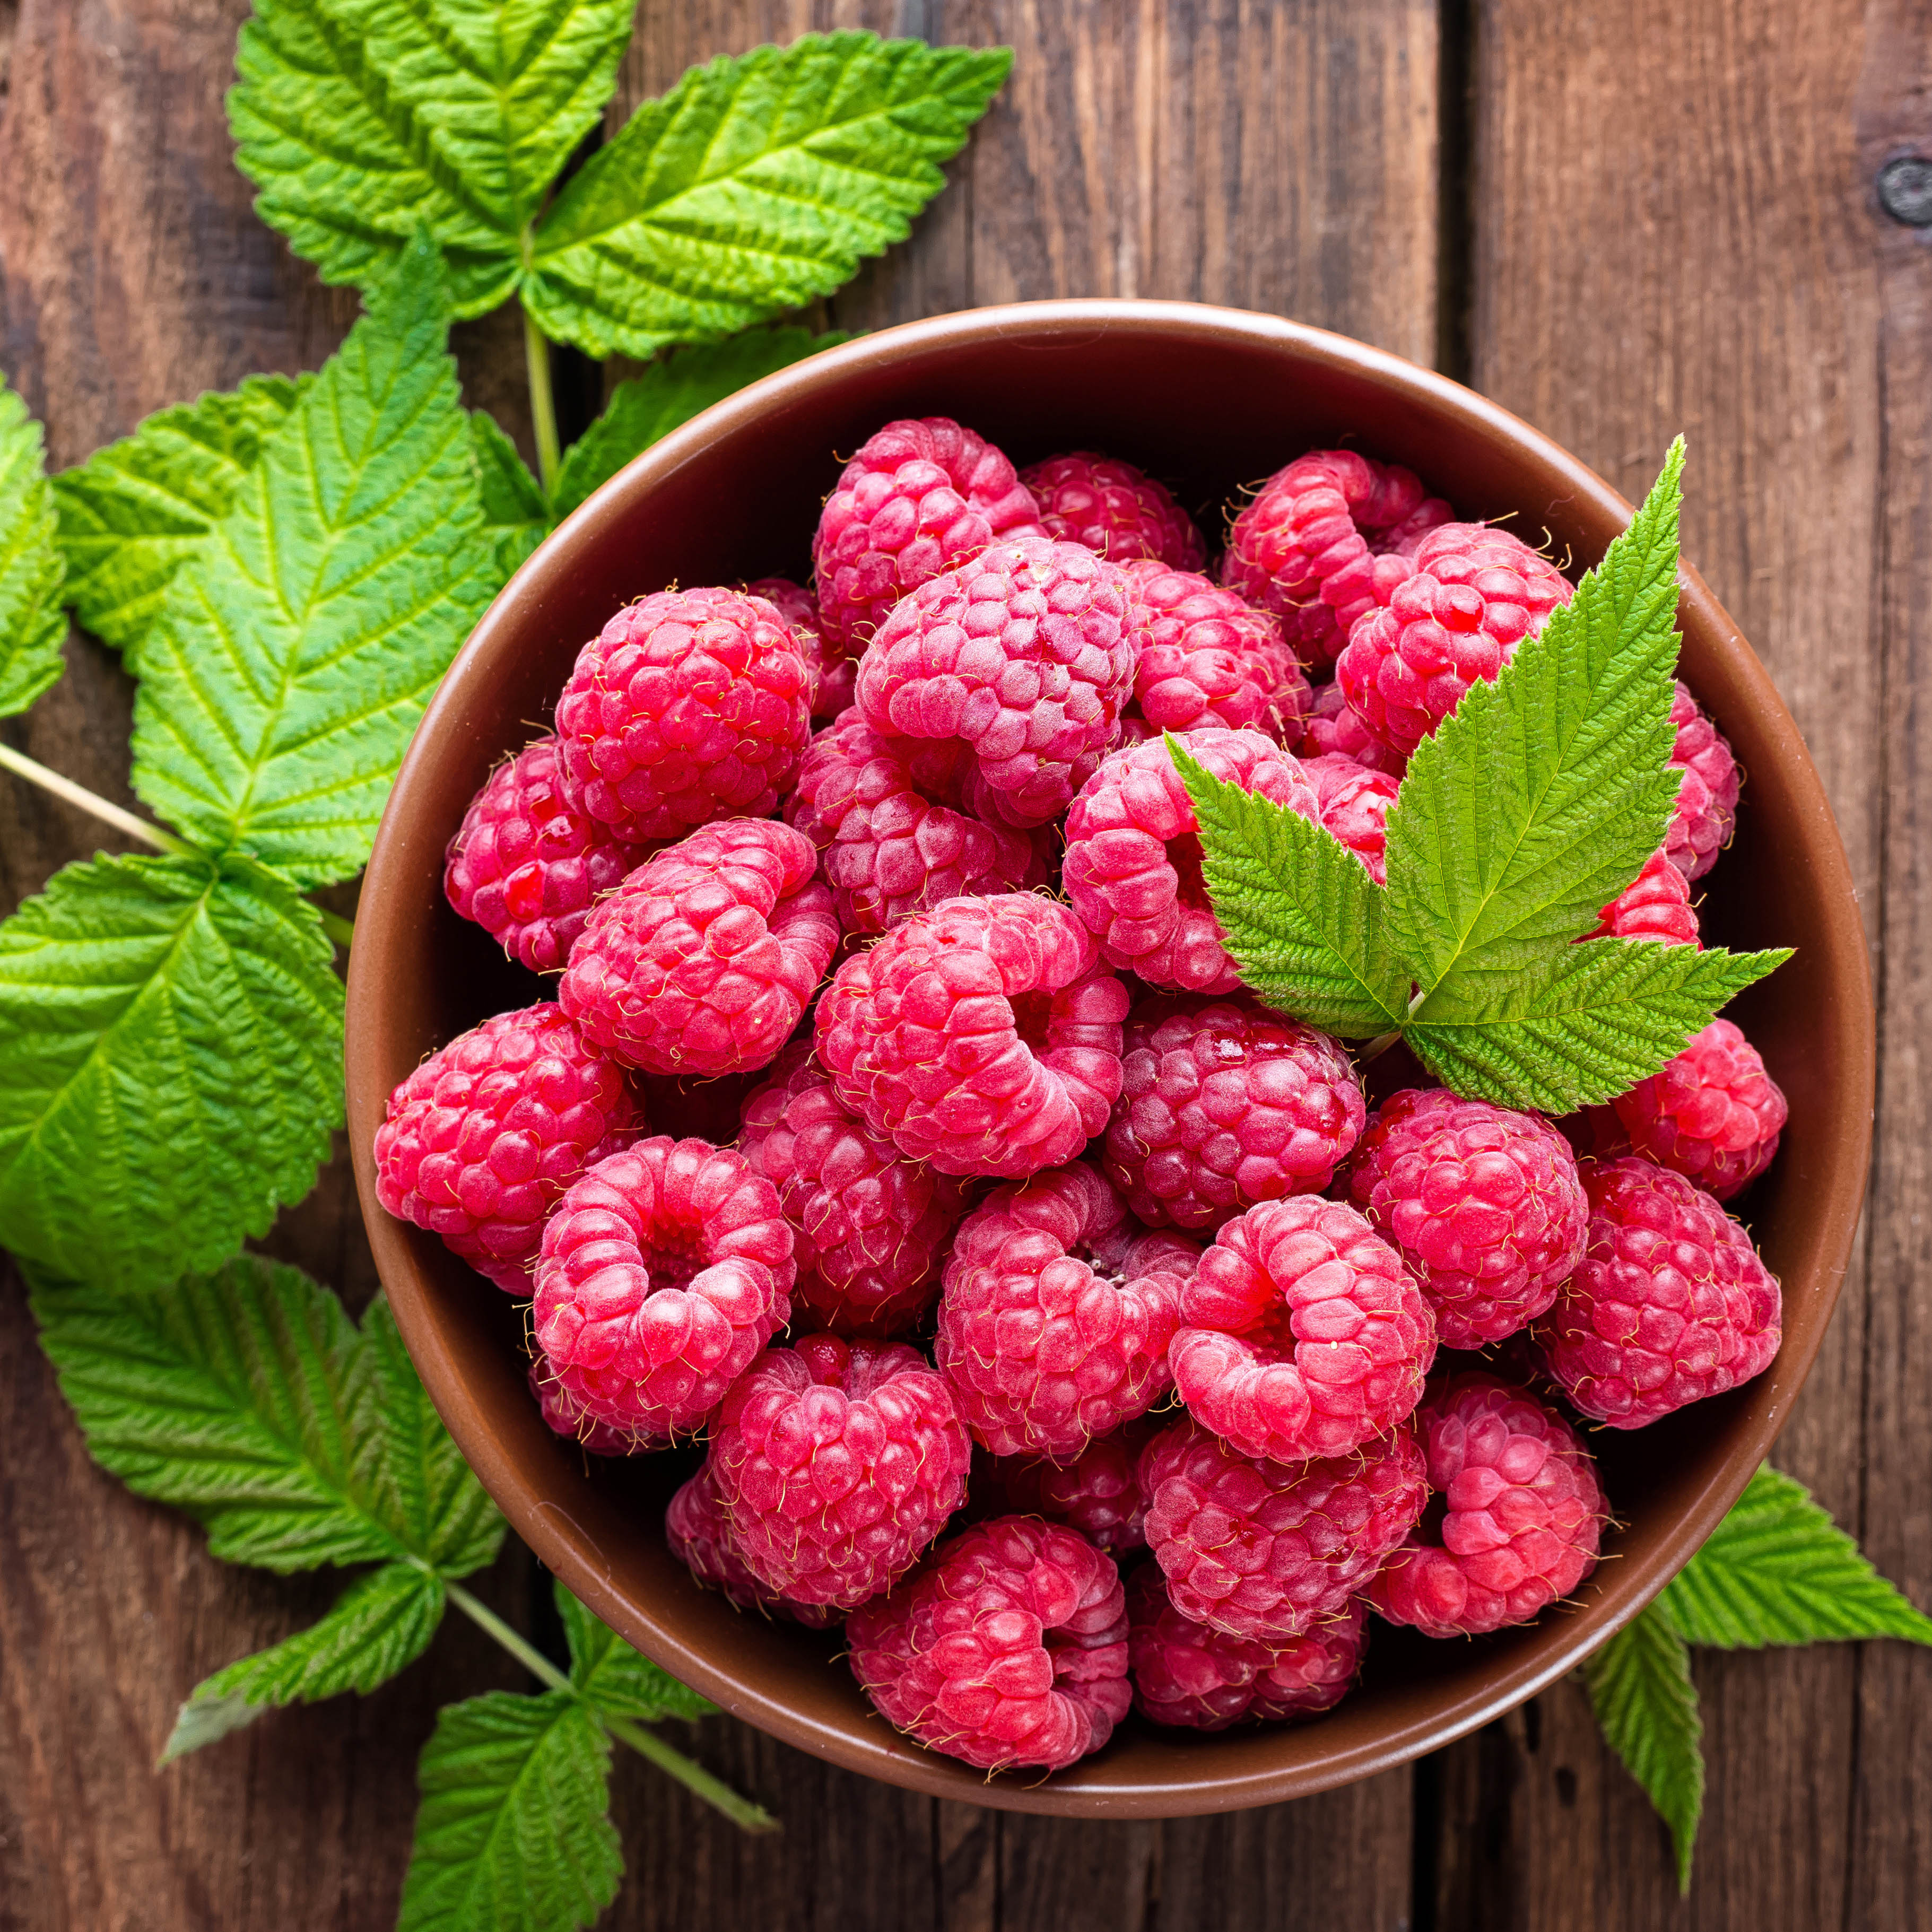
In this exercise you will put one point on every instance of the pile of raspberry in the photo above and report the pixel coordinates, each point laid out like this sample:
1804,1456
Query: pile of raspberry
902,1149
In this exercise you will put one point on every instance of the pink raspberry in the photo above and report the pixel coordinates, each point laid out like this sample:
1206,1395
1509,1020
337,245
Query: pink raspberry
1185,1674
888,815
920,496
525,866
1713,1113
1656,905
1334,726
700,1537
867,1223
1355,803
1098,1493
837,1463
1008,1647
1205,657
1115,510
1271,1551
983,1037
1303,1333
1133,867
1056,1314
1670,1304
663,1271
563,1416
1025,655
832,675
1472,595
1482,1202
1224,1103
1707,794
1308,547
1523,1514
689,705
705,958
479,1144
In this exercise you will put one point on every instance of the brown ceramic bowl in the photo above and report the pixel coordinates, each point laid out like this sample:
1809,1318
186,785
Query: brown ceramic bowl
1209,399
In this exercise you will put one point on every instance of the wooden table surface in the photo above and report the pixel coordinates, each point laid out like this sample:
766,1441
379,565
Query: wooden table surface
1619,220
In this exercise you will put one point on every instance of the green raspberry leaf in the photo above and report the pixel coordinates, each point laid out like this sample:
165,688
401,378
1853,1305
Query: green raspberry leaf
605,1670
377,1627
170,1065
1302,919
514,513
513,1835
33,626
756,184
1640,1687
1584,1025
359,119
672,391
1777,1571
1541,796
294,653
134,512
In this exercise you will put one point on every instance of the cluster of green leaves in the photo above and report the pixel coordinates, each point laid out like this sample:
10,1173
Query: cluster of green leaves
1535,803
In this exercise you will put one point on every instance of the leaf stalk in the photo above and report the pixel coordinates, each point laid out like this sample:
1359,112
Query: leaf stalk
543,402
34,772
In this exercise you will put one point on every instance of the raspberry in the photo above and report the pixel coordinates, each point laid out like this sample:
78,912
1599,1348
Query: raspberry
1306,546
1115,510
689,706
663,1271
706,956
1471,595
1656,905
983,1037
1355,803
1205,657
1271,1551
1302,1333
525,866
1334,725
867,1224
1025,655
562,1414
831,674
1007,1648
888,815
1670,1303
1186,1675
1098,1493
837,1463
1224,1104
479,1144
1713,1113
1707,794
919,497
1523,1514
1482,1202
700,1536
1133,867
1056,1314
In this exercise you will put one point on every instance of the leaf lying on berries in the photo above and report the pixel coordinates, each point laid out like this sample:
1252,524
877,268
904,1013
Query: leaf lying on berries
33,626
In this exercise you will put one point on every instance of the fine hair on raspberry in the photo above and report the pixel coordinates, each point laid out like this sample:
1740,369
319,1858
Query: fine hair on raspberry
1114,510
1098,1493
1712,1112
699,1535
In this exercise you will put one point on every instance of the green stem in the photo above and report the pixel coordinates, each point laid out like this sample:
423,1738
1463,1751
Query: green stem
543,402
1376,1048
342,931
741,1811
34,772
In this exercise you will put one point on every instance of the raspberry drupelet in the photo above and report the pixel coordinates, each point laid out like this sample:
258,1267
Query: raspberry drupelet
1132,865
479,1143
663,1271
1334,725
700,1537
705,958
837,1463
1523,1514
563,1416
1712,1112
1670,1303
1707,794
1186,1675
920,496
982,1037
1302,1333
689,705
1008,1647
1271,1551
1355,801
1056,1314
1098,1493
831,673
1656,905
1115,510
1223,1104
1483,1202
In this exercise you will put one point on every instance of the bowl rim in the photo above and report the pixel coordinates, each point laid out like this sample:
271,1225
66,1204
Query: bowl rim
568,1552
